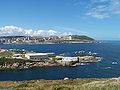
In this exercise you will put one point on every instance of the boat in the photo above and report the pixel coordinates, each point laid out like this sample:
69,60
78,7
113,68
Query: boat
99,60
82,63
107,67
114,63
94,53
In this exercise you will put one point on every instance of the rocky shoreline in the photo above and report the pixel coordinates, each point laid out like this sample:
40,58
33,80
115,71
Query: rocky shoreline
20,59
26,65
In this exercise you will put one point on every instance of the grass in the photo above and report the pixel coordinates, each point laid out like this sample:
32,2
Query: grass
6,54
82,38
21,85
11,61
75,84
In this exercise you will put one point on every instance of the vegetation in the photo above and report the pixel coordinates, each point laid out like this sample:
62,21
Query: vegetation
6,54
18,51
82,38
75,84
10,53
11,61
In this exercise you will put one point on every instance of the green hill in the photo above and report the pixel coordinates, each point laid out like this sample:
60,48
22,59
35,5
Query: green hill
82,38
75,39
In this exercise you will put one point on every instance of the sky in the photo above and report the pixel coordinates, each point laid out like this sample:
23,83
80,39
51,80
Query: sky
99,19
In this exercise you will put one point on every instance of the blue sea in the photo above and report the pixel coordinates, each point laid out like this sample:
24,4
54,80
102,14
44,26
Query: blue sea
109,50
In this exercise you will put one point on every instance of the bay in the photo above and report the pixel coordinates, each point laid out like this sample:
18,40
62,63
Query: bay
110,51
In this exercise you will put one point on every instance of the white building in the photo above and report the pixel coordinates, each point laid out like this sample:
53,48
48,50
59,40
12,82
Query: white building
67,59
17,56
67,37
38,56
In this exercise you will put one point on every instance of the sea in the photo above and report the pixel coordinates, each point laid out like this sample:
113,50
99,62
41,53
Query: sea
108,67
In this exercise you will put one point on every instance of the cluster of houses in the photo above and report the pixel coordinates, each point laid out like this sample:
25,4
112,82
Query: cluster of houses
33,56
63,60
32,39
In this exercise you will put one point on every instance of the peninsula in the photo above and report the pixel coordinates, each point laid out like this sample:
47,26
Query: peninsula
46,39
22,59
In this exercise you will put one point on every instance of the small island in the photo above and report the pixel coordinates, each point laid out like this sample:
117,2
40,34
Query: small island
23,59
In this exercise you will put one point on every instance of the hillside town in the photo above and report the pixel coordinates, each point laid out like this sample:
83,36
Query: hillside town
45,40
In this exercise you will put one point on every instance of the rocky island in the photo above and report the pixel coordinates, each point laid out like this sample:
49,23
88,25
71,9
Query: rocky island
22,59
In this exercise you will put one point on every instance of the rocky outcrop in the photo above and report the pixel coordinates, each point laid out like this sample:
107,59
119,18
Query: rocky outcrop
25,65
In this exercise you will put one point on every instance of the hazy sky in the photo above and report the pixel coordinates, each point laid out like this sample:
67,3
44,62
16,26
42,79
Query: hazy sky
96,18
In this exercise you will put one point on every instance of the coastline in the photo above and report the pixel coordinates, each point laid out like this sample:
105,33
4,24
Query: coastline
12,64
16,64
49,43
22,59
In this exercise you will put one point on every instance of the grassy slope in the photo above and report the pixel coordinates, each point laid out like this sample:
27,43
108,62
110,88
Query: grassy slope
11,61
82,38
76,84
6,54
